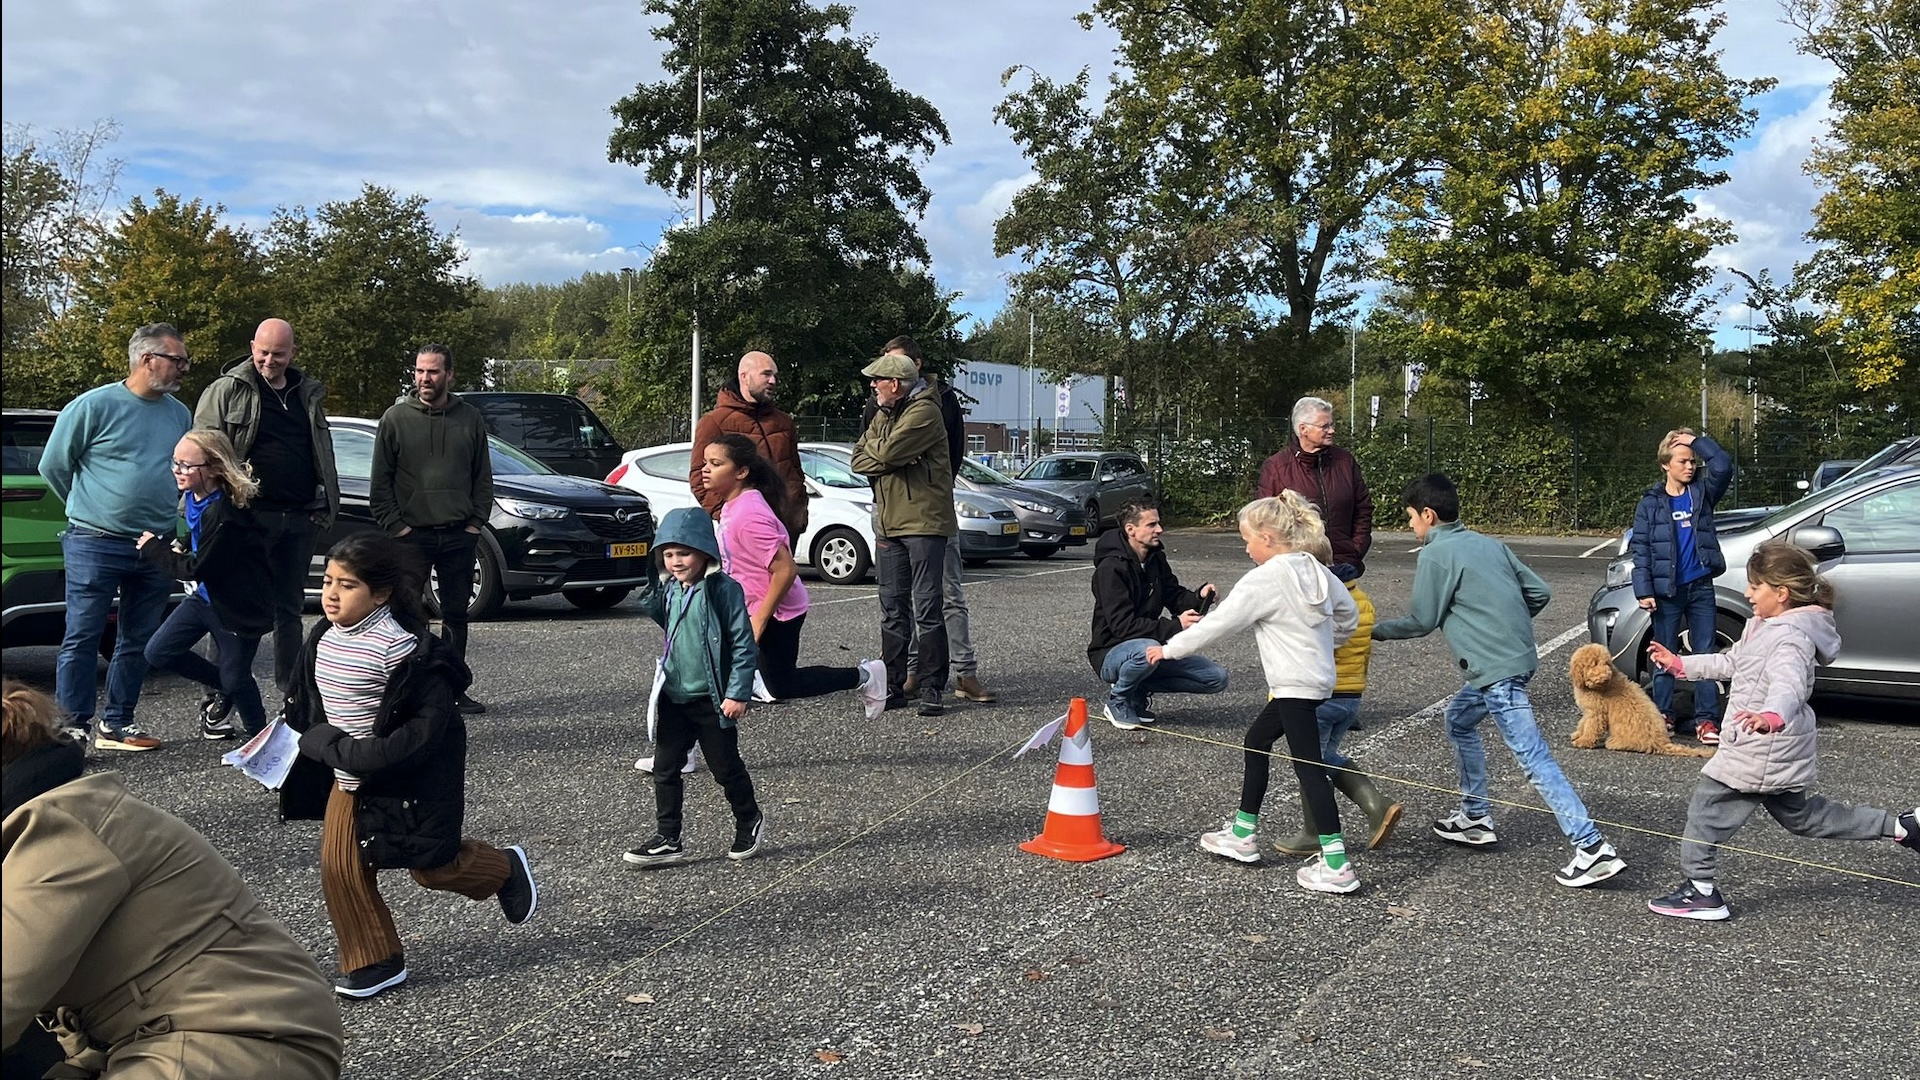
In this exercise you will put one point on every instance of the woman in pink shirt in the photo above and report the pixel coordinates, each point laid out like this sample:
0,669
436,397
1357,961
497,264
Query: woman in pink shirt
754,551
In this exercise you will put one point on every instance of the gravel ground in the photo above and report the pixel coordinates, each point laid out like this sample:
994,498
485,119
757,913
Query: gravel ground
894,929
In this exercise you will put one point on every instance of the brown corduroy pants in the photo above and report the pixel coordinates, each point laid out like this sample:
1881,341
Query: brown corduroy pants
362,926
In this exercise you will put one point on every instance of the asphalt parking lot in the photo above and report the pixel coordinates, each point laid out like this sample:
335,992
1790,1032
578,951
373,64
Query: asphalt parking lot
894,929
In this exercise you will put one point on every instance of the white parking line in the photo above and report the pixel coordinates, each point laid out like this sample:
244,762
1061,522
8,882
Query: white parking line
1601,546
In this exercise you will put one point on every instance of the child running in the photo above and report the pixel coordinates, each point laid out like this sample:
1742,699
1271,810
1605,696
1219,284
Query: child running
1769,748
701,685
1336,717
1299,612
755,551
374,697
1474,588
226,559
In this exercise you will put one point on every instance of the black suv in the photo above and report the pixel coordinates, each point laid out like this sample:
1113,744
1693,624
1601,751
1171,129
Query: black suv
547,534
558,429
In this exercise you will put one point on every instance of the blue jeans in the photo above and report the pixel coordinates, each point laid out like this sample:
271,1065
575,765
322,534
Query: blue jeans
1336,717
1507,702
911,612
1133,678
172,650
1693,605
101,567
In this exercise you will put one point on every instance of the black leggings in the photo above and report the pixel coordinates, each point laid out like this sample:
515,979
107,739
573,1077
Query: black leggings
780,655
1294,716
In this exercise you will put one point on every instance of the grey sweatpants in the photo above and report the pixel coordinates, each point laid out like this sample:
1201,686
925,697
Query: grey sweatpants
1718,811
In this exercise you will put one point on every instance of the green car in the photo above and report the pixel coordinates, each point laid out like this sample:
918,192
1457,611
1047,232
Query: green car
33,580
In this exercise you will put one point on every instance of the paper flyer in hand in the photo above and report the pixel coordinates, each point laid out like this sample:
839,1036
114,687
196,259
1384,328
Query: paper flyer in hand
268,756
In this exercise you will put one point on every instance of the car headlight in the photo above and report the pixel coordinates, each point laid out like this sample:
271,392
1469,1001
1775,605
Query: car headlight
532,511
970,510
1620,572
1036,507
863,507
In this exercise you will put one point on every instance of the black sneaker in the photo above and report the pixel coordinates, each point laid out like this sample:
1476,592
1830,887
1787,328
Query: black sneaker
370,980
1684,903
216,705
658,851
931,707
1910,824
747,837
1144,710
215,726
897,701
468,706
519,896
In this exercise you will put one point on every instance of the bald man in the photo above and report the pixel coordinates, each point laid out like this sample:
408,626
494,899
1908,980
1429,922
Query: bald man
277,419
745,405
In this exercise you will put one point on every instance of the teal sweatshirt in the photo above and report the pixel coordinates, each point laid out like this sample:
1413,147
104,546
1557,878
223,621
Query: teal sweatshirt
1475,589
108,457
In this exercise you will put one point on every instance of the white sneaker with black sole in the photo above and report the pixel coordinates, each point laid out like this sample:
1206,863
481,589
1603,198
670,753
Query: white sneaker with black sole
1461,829
1590,865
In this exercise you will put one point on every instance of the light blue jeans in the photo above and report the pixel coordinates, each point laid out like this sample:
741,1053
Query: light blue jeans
1506,701
1336,717
100,569
1133,678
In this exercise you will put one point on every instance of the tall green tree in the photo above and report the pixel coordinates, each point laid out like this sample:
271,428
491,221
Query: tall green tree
171,260
365,283
53,199
810,158
1868,223
1552,251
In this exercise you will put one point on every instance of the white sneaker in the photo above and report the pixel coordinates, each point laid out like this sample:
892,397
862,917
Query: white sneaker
1589,865
645,764
873,692
1242,848
1314,875
760,691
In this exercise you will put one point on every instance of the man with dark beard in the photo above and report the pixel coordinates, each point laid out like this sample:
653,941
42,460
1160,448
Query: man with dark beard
1138,603
746,405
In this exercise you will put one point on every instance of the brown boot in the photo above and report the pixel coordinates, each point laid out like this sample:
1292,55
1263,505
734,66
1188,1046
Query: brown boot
1382,813
911,685
968,687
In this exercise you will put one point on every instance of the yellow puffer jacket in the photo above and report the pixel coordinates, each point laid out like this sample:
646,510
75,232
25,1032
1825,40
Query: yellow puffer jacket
1350,660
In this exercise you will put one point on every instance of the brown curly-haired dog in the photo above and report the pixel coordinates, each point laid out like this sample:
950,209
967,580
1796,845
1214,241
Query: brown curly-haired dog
1616,710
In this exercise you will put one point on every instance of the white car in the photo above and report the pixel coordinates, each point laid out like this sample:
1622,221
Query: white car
838,543
989,525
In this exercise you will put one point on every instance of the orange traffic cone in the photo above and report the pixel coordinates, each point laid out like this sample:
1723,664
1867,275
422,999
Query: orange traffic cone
1073,831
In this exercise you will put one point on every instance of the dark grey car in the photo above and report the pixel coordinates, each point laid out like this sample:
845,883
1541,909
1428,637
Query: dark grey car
1048,522
1099,481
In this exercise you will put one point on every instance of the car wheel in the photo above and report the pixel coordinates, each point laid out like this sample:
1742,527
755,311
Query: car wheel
598,598
1093,518
841,556
487,596
1039,551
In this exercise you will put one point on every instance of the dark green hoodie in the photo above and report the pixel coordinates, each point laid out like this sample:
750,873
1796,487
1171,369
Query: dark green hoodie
431,467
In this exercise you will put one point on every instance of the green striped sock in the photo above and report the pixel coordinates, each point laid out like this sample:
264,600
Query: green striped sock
1243,824
1333,850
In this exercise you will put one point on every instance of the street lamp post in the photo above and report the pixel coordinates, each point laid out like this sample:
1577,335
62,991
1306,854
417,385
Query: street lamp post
626,273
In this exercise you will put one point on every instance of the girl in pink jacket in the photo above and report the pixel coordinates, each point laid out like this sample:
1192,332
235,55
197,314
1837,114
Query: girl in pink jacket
1768,754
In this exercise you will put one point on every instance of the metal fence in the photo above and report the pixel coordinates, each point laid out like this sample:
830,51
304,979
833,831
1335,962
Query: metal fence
1538,477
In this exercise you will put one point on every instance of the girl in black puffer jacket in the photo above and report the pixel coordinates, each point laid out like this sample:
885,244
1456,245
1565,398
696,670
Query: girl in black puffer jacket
374,701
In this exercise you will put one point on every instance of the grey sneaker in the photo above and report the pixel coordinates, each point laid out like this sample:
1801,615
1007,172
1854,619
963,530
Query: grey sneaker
1590,865
1461,829
124,737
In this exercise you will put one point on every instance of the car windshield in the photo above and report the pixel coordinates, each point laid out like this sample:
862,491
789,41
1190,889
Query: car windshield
1059,469
829,471
513,461
980,474
25,441
1892,452
1795,509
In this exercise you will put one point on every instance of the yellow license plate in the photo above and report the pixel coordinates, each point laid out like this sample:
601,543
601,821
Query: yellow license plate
626,551
1076,530
1010,530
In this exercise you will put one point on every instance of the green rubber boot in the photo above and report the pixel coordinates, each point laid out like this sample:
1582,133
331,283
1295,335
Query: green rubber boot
1382,813
1303,843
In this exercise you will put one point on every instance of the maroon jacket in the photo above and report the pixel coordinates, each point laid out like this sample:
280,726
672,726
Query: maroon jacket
1331,481
771,430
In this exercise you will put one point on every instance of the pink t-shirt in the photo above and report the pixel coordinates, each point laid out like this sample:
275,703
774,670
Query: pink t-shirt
750,536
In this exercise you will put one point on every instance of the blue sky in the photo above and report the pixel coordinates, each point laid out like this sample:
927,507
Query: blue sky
497,111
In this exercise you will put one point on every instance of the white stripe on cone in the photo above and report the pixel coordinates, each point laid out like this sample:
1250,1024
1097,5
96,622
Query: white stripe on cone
1076,801
1077,750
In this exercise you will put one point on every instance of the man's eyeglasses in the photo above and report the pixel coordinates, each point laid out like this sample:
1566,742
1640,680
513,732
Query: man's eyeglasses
188,466
182,361
1328,428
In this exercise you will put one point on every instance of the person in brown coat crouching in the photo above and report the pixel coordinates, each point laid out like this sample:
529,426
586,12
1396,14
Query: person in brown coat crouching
133,938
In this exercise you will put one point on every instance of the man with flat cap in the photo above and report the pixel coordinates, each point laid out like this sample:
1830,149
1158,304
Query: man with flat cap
904,453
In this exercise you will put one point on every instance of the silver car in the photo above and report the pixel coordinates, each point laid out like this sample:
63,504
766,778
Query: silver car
1865,530
1047,521
1102,481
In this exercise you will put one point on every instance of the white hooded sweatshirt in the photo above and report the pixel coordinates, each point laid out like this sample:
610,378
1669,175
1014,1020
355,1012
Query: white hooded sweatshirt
1299,613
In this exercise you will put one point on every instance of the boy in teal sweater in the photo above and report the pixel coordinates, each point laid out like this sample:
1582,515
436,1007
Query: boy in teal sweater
1475,589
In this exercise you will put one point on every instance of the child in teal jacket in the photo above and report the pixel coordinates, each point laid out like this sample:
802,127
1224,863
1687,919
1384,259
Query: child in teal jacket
701,685
1485,598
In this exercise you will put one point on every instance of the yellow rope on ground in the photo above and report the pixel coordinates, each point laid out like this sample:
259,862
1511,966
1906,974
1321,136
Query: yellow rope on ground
1455,792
